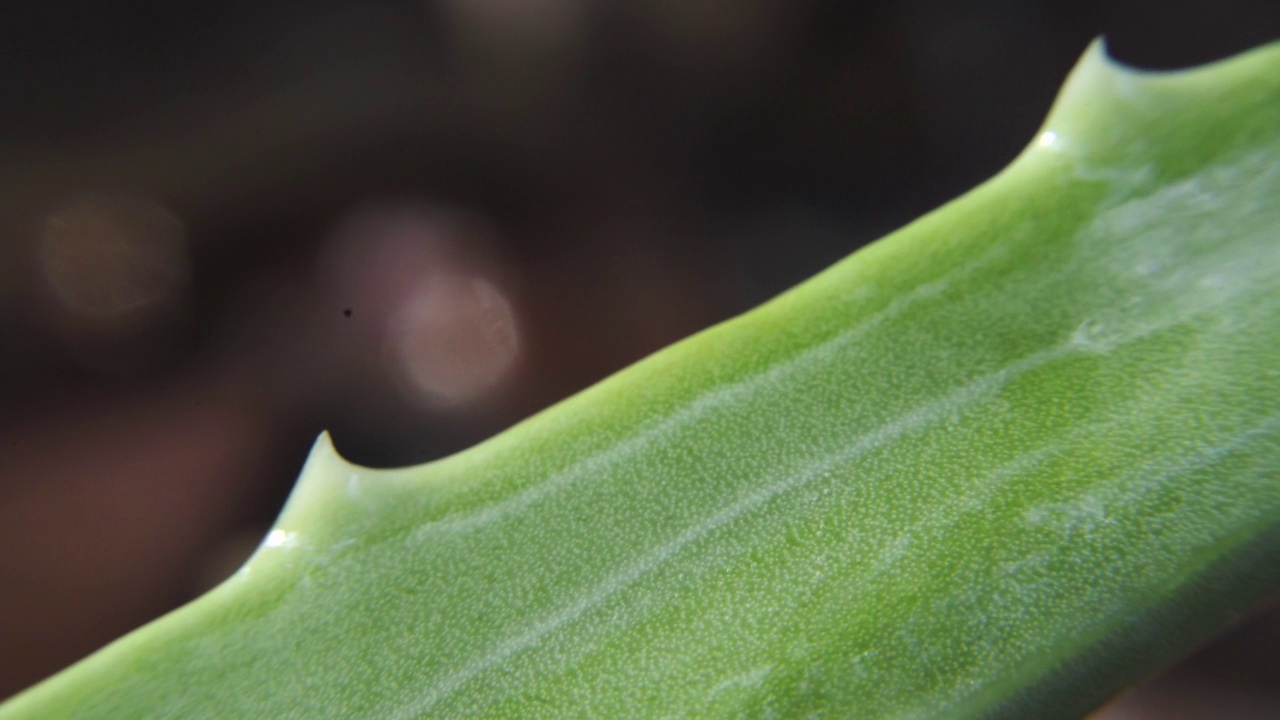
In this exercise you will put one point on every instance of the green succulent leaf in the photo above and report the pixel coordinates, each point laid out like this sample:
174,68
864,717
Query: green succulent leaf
998,464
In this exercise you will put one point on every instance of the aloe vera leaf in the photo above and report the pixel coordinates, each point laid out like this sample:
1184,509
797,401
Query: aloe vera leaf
998,464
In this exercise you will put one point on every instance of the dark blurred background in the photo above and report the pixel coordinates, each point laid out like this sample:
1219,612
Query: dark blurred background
226,227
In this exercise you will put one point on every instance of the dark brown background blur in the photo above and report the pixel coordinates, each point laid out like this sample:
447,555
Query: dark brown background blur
223,229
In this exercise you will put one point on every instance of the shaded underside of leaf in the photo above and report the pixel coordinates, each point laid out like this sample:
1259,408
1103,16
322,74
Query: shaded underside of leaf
998,464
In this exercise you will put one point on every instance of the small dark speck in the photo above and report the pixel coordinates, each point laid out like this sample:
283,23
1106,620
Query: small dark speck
346,312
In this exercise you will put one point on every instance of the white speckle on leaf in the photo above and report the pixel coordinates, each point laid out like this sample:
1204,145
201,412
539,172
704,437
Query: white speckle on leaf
1050,139
278,538
749,679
